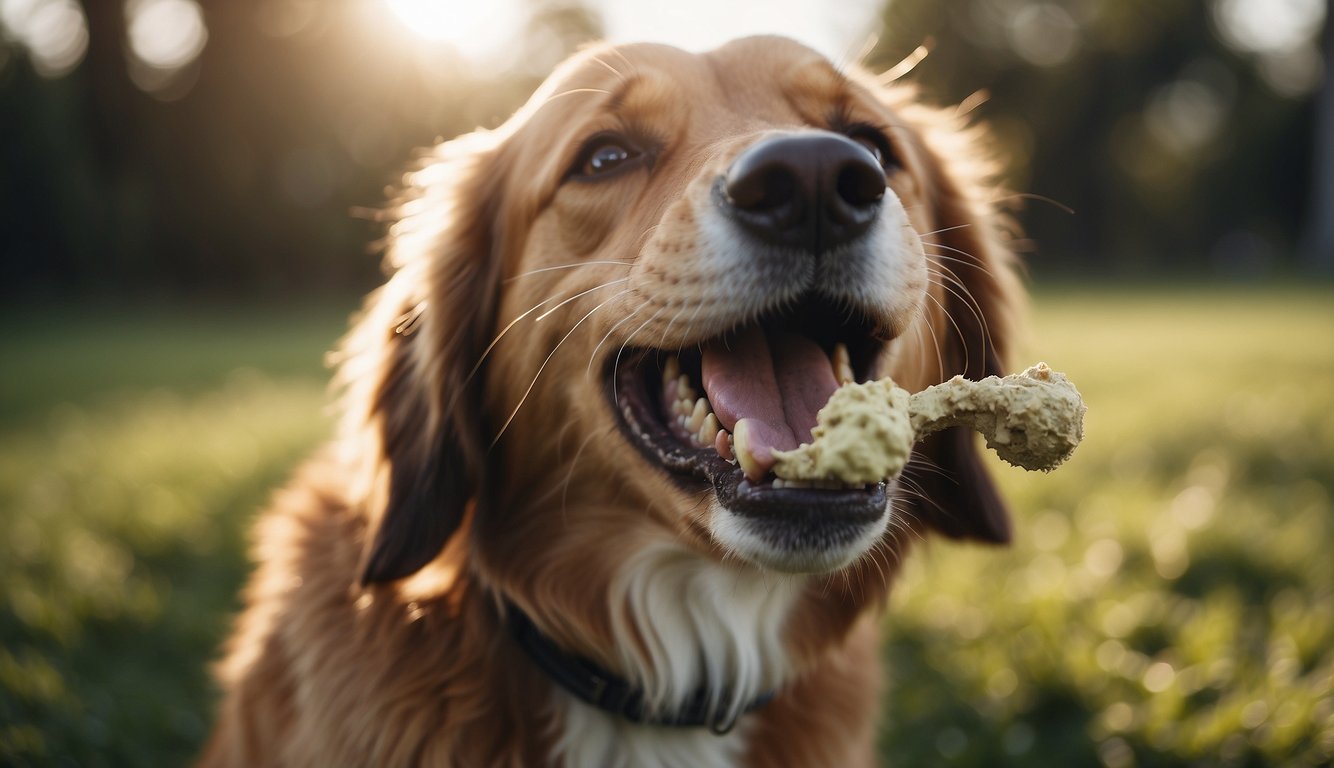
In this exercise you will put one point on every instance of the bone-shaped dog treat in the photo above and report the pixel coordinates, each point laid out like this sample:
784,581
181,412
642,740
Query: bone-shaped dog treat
866,431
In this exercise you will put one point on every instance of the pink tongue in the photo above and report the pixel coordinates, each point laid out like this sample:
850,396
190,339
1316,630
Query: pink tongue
778,381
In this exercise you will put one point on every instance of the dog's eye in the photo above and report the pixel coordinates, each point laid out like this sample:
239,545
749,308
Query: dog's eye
871,147
875,143
602,155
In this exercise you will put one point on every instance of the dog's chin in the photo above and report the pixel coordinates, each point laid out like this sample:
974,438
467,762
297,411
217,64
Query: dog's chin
768,522
813,537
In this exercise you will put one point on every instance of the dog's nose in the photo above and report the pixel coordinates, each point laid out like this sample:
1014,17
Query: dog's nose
813,191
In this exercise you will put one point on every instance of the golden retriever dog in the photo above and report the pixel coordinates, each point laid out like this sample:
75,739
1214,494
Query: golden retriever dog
547,533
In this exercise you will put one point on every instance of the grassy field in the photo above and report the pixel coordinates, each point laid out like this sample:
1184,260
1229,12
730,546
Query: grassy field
1169,599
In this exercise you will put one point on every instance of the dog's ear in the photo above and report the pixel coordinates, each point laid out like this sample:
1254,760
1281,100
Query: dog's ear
410,371
970,258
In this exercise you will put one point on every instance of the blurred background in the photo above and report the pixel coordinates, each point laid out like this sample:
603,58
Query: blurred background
186,196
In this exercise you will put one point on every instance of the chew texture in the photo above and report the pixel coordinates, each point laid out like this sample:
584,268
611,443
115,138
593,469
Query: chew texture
862,435
865,432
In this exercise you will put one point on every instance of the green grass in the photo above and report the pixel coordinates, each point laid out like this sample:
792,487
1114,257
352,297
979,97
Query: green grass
1169,599
135,448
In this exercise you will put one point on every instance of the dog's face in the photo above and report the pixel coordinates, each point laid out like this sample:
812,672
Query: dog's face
654,276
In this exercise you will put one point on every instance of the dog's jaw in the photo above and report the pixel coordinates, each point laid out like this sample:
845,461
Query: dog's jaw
700,278
788,549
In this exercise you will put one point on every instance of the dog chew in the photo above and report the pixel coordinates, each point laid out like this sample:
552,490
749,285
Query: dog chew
865,432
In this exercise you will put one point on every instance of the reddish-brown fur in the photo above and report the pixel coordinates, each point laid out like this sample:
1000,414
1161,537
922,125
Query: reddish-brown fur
365,643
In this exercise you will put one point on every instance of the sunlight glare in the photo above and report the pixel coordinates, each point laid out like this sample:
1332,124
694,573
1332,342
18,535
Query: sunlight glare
698,25
477,29
166,34
1269,26
55,32
1282,34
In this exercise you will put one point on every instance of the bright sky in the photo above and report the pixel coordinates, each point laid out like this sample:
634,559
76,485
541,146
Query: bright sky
481,28
838,30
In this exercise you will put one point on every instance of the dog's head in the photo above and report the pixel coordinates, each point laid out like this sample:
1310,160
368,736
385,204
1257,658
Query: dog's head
607,313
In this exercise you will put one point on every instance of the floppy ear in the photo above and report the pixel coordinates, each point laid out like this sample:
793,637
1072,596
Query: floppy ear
970,259
414,400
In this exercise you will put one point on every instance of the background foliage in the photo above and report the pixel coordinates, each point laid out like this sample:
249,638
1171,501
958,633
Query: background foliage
1165,138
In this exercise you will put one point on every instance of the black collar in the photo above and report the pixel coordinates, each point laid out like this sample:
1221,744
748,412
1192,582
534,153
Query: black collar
596,686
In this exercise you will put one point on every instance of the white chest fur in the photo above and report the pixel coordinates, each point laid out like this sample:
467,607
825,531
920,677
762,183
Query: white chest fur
701,623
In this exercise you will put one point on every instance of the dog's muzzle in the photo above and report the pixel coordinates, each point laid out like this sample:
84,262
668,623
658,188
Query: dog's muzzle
812,191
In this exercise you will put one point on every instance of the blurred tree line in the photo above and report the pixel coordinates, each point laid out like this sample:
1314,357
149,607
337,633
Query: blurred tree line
255,166
1177,147
1170,136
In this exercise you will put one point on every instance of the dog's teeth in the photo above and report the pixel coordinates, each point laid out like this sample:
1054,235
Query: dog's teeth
708,431
722,443
683,389
842,363
741,448
697,413
670,371
780,483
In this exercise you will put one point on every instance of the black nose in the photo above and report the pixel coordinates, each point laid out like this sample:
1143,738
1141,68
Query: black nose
812,191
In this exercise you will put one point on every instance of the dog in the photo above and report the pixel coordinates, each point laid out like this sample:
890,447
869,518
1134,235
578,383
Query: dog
546,533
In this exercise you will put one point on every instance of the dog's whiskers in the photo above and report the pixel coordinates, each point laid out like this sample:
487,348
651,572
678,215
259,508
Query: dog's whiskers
544,315
489,347
542,367
633,69
575,265
970,260
617,363
942,230
571,91
965,295
935,340
942,282
913,490
1057,204
592,357
612,69
565,486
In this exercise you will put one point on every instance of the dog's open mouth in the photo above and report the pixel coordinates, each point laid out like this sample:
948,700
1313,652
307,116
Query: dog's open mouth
715,412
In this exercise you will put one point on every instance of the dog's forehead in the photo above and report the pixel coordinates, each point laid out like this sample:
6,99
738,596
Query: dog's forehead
672,98
760,77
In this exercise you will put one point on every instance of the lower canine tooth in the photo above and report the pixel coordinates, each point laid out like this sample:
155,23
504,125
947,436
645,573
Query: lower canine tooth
741,447
708,431
697,414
